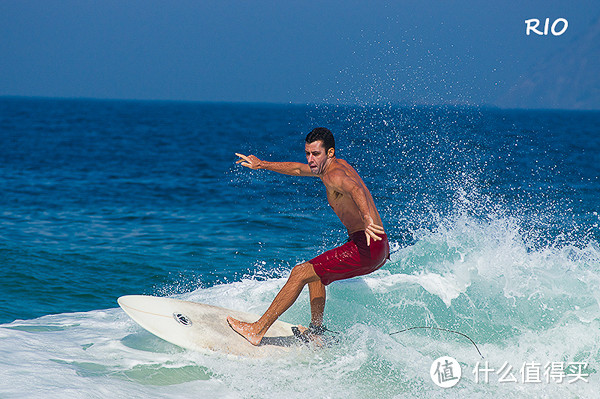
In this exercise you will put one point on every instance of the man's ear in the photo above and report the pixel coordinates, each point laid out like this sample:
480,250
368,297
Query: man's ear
331,153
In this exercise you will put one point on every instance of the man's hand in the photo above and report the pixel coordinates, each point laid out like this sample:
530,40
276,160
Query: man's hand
372,230
249,161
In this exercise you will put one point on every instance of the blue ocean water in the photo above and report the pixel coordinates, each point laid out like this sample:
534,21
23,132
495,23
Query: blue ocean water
492,215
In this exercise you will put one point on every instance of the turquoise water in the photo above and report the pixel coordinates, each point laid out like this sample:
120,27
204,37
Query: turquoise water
492,216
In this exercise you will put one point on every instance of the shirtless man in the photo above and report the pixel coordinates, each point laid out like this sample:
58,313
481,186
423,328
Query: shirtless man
367,248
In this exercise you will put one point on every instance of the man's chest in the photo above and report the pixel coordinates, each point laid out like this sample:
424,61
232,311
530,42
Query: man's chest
335,198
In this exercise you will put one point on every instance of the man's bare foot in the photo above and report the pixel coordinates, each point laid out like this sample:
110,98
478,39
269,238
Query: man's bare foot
246,330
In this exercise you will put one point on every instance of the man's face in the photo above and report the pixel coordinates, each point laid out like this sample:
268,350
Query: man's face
316,156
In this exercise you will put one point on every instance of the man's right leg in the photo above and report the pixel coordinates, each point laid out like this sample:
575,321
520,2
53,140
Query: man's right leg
316,290
300,276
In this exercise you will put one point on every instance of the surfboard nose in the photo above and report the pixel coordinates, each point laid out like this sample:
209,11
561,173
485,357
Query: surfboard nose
199,326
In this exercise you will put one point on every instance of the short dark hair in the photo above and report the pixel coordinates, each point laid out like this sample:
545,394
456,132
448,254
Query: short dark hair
323,134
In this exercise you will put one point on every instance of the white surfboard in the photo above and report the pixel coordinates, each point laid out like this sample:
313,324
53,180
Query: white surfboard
202,327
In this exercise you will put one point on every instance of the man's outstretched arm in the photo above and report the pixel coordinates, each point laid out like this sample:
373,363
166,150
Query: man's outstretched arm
286,168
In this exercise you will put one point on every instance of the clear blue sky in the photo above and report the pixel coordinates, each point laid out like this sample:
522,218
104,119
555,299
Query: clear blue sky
280,51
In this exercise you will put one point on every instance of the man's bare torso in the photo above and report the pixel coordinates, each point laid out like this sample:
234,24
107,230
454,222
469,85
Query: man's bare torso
342,204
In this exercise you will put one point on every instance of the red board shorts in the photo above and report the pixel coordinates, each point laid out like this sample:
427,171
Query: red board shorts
352,259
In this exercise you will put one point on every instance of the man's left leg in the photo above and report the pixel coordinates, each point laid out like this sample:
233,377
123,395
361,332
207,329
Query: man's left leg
301,275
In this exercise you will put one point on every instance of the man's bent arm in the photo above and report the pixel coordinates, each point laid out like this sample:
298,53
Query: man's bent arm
366,208
358,193
360,199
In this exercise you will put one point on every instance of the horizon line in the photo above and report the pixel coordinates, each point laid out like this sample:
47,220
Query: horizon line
290,103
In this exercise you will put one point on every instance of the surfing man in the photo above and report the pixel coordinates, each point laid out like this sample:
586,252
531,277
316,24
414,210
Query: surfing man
367,248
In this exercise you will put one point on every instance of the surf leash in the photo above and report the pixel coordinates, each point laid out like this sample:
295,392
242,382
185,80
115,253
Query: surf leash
320,330
441,329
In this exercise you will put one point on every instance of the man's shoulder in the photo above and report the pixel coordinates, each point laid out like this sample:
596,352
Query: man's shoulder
340,173
338,169
343,168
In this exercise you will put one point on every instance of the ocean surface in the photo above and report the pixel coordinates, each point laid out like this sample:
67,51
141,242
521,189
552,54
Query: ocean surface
492,215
